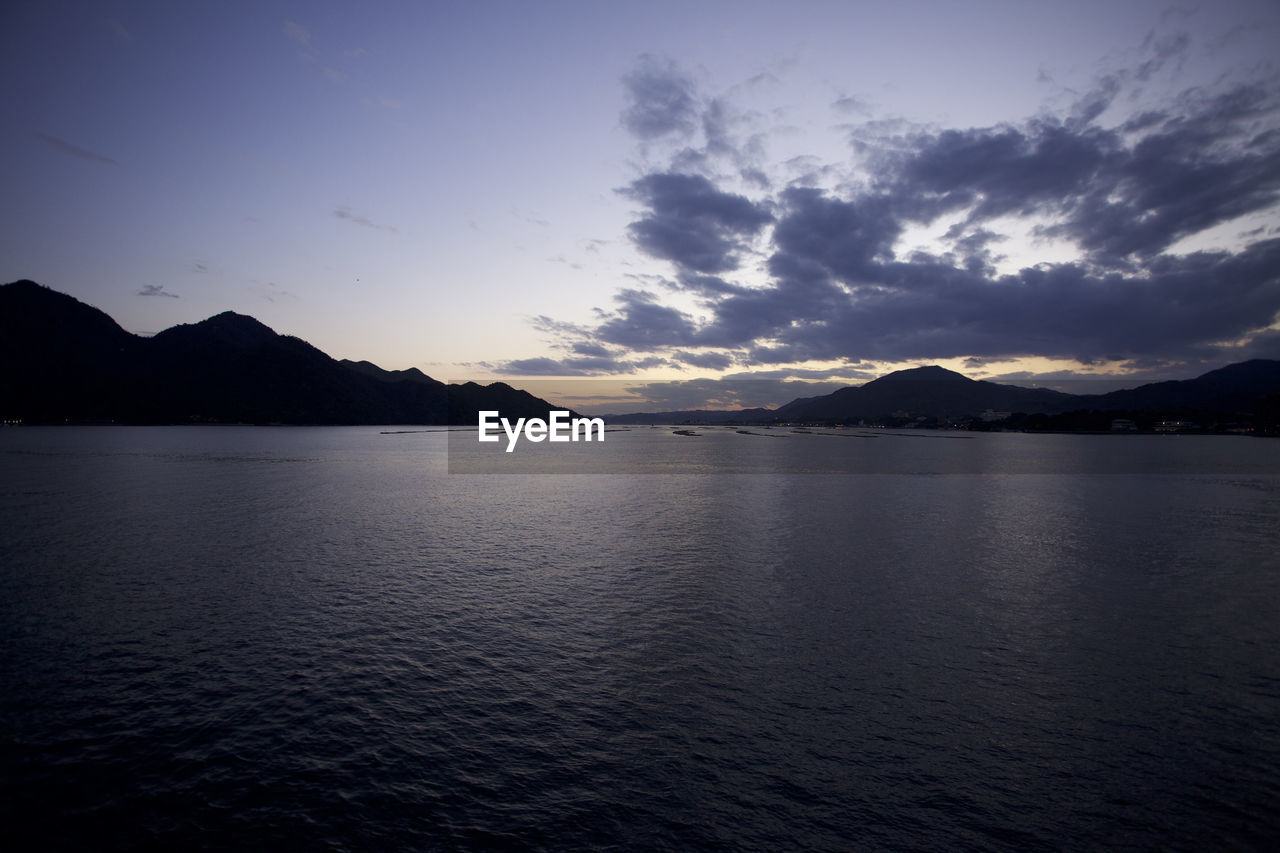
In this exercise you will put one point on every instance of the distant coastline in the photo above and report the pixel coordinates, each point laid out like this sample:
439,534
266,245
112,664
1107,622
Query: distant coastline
65,362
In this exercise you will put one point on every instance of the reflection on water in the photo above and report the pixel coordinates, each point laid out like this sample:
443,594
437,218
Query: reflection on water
320,638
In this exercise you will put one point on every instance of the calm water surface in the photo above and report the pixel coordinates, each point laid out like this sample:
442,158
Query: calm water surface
218,638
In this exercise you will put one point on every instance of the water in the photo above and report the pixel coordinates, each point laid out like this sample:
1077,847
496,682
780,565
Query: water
319,639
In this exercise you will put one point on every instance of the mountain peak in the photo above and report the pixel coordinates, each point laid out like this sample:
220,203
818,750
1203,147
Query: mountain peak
32,310
28,285
230,319
931,373
239,331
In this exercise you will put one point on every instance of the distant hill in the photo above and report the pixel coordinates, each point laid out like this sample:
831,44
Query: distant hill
936,392
930,390
62,360
1234,388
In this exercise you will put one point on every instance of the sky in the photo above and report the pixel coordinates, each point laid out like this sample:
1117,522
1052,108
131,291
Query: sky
667,197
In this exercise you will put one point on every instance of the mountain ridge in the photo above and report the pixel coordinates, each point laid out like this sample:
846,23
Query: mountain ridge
64,361
932,391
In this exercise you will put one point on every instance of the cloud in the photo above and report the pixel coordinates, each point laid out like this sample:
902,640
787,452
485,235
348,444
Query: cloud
585,348
724,393
583,366
692,223
584,357
700,134
346,214
920,309
558,328
643,324
535,367
705,360
1121,194
1116,183
660,100
74,150
819,234
705,285
851,105
156,290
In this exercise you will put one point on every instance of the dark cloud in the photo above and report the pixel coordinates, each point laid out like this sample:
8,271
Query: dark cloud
994,171
838,377
820,235
155,290
642,323
535,367
731,143
660,100
584,366
692,223
705,285
705,360
74,150
725,393
1181,305
837,285
973,248
1120,194
703,135
591,350
558,328
700,394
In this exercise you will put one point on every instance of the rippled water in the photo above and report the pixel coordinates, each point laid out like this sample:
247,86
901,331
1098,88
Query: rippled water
320,639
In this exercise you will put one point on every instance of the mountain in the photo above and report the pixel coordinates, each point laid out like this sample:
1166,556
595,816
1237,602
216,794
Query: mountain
936,392
1234,388
929,390
62,360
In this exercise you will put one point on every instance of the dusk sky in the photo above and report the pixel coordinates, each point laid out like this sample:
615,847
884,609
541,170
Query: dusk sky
662,191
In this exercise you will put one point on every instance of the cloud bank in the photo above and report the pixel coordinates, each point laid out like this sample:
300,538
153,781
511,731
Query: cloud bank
1167,211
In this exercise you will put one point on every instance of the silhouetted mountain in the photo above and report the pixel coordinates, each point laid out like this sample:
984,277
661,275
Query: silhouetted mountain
61,360
60,355
930,390
936,392
368,368
469,398
1234,388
